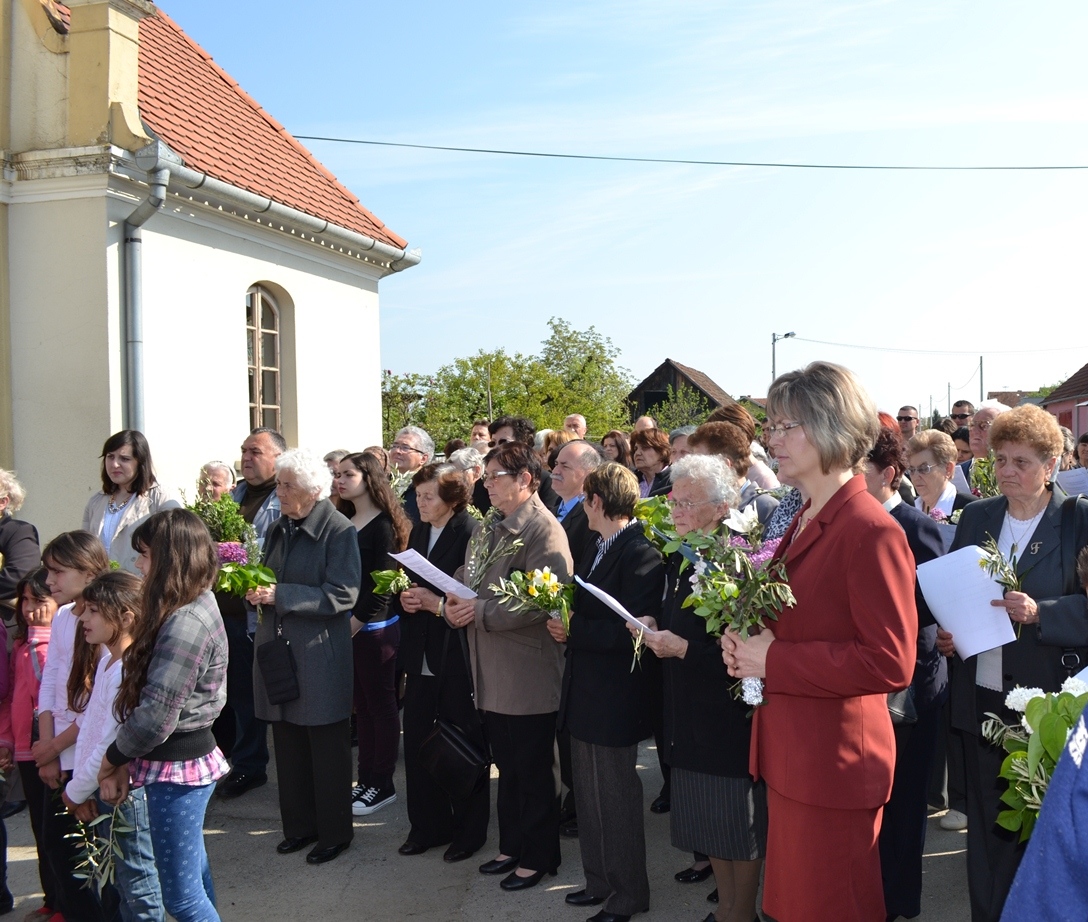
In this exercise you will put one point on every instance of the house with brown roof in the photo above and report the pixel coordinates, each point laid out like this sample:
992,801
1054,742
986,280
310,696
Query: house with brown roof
171,259
654,388
1069,402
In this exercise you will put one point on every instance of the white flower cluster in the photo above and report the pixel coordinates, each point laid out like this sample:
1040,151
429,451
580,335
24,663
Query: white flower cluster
1018,698
1074,686
752,691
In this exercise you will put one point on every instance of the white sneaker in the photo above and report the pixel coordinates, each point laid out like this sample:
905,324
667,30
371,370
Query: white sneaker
372,799
954,820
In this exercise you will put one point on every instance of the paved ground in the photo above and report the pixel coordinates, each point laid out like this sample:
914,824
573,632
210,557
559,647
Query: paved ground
372,881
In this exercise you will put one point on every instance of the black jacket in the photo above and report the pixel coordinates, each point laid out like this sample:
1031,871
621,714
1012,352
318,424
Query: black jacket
604,701
22,554
424,631
582,541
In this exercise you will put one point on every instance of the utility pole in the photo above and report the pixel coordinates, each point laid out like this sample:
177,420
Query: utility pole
775,337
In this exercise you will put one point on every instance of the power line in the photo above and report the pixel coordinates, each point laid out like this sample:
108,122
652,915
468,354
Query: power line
974,352
749,163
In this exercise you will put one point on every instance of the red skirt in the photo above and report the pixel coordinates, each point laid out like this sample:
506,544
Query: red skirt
822,864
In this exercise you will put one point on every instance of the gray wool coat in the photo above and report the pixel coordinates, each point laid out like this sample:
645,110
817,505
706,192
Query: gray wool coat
318,574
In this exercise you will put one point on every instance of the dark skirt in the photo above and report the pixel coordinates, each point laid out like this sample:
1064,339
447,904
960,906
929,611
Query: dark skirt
718,816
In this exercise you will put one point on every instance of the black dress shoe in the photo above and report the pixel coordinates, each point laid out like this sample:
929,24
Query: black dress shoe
693,875
454,854
499,865
569,828
237,783
661,804
295,844
581,898
321,855
412,848
513,882
712,896
11,808
605,916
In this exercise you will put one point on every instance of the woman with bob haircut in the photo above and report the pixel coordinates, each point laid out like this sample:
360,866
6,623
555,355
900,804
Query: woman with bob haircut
130,493
1050,615
651,454
314,552
931,461
823,738
435,658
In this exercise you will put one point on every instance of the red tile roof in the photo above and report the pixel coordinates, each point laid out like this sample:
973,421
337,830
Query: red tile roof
1072,388
218,128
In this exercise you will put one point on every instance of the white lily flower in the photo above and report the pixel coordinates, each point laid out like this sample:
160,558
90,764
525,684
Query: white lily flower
743,522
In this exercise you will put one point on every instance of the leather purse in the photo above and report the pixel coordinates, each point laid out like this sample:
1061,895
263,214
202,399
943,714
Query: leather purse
901,708
276,661
458,764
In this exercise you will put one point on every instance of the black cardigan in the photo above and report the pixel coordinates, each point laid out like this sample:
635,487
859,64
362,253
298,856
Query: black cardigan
707,730
604,701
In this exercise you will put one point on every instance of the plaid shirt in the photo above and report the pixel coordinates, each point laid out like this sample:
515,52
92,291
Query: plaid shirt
186,680
192,771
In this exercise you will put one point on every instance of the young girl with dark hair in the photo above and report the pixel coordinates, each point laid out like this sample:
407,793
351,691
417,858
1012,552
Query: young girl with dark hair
34,612
173,688
110,617
130,493
72,561
366,498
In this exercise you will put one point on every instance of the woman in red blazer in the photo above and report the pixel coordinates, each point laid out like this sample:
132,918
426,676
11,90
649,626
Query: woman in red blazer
823,739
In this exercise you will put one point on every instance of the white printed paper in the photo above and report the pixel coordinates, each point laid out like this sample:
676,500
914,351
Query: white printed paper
1073,481
959,481
423,568
959,592
614,605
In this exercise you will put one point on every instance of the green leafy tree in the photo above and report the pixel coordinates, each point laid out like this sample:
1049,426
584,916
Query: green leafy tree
1048,389
402,396
683,407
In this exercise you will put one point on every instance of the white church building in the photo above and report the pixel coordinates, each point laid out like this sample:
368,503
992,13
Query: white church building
171,259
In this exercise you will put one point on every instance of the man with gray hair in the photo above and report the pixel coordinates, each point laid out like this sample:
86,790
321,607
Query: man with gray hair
575,459
576,423
411,449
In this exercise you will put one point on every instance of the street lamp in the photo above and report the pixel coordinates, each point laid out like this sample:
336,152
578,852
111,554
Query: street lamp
775,337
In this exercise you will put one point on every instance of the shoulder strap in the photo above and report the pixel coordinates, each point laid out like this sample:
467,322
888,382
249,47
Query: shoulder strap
35,660
1073,539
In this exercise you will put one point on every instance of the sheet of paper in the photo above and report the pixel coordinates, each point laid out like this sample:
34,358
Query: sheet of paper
959,481
613,604
959,592
423,568
1082,675
1073,481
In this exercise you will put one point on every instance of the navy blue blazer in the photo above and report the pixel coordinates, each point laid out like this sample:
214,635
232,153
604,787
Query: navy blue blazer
930,681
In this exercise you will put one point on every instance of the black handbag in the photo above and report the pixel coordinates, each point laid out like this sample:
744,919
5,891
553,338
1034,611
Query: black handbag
277,664
1072,540
901,708
457,763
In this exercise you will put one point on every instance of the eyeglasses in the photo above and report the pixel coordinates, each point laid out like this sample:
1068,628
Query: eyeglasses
495,442
961,416
922,469
495,475
400,446
780,429
982,427
907,419
687,506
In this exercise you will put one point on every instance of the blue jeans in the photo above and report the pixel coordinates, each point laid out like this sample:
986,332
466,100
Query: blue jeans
176,814
137,881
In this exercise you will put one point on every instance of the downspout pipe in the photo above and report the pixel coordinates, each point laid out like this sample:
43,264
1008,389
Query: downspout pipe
132,301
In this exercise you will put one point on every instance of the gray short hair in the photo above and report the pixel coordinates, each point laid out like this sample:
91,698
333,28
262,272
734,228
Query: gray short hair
712,474
310,469
426,443
221,466
467,458
589,458
13,490
677,433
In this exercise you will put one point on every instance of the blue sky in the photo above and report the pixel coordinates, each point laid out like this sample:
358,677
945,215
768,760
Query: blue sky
702,264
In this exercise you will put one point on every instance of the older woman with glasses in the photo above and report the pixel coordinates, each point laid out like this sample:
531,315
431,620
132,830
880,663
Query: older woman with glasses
932,460
516,666
823,739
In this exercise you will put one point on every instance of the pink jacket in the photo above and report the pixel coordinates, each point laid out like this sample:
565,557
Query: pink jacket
18,707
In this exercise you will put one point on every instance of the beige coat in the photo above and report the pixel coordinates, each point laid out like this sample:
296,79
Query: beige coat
139,508
517,666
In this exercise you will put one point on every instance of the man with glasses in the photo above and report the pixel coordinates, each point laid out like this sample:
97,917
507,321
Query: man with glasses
908,422
411,449
963,411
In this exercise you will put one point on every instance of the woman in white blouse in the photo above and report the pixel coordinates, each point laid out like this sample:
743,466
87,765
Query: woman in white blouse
931,460
130,493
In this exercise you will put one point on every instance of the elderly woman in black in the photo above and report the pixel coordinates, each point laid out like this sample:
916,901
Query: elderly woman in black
314,553
436,661
1051,617
604,702
717,809
20,554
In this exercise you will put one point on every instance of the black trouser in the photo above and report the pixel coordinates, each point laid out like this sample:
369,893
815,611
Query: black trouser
523,747
249,755
313,765
435,817
73,900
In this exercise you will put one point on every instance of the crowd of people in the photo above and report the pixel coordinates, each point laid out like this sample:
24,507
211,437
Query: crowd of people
131,682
